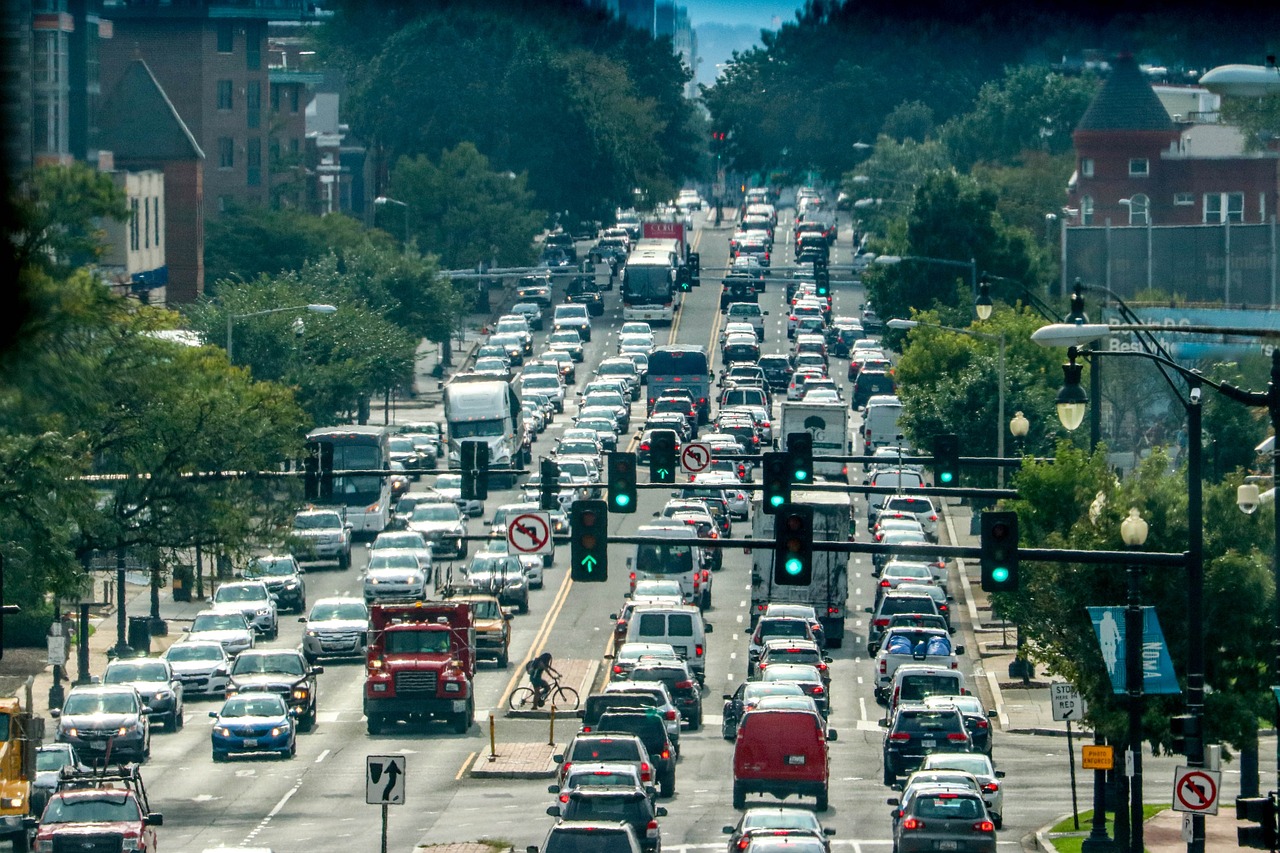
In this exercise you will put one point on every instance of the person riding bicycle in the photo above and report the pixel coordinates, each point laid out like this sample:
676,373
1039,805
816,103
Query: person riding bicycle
538,668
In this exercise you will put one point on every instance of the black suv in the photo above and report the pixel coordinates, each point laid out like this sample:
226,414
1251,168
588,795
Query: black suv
738,288
918,730
632,806
649,726
583,289
681,684
598,703
777,371
280,671
868,384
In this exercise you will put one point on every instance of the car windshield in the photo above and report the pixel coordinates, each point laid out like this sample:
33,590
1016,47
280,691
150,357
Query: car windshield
104,808
260,705
99,703
543,380
317,521
390,541
410,641
52,759
219,622
288,663
756,689
184,652
336,610
228,594
269,566
393,560
780,819
436,512
565,338
123,672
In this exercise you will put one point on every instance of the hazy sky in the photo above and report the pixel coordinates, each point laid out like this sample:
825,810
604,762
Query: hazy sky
760,14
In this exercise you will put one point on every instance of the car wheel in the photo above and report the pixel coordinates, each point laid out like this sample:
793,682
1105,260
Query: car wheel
821,805
374,724
889,776
310,658
504,658
274,633
695,721
739,796
344,560
667,784
998,820
524,606
462,721
308,721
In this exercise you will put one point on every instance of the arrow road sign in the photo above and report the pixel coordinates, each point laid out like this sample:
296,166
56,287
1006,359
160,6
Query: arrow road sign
695,457
530,533
1196,790
384,780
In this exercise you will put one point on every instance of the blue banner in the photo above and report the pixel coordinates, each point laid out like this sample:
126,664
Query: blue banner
1157,666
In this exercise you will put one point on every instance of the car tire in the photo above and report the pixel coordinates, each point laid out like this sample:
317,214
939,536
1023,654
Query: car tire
308,720
310,658
739,796
998,820
695,721
274,633
462,720
291,751
504,658
524,606
889,776
344,561
667,784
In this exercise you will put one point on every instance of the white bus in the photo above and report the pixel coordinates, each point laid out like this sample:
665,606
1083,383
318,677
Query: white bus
364,498
650,280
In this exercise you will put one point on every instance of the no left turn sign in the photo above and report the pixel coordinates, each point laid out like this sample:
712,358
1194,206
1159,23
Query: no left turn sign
695,457
530,533
1196,790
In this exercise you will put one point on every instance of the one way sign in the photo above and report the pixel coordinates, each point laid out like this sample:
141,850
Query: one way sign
384,780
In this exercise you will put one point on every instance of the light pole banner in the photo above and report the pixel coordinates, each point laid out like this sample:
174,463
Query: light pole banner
1157,666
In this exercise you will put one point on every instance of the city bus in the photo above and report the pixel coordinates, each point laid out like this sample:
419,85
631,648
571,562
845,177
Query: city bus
365,499
650,281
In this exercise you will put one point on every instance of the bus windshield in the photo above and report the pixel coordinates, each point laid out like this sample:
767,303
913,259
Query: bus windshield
648,285
474,429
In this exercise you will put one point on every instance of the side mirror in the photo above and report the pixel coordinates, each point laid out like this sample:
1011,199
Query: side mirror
613,616
554,811
553,789
873,648
959,650
727,830
154,819
532,848
628,562
487,523
827,660
833,735
828,830
660,811
318,670
884,722
893,801
558,758
706,626
726,697
867,610
302,619
57,712
999,774
213,714
993,713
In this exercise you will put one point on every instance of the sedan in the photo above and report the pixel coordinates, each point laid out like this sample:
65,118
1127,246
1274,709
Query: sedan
777,821
808,677
746,697
577,447
155,682
395,575
567,341
982,769
201,667
254,722
229,629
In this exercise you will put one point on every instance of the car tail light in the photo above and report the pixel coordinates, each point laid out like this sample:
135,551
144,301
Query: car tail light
984,826
684,685
671,715
832,611
564,798
933,517
884,583
666,755
991,787
744,842
957,737
983,724
817,688
697,650
652,826
644,445
616,669
884,667
880,623
646,773
586,730
913,823
762,666
901,737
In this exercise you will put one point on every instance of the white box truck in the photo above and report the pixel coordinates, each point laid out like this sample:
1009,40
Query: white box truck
829,591
480,408
828,423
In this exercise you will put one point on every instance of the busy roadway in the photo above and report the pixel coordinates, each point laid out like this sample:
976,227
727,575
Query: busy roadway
314,801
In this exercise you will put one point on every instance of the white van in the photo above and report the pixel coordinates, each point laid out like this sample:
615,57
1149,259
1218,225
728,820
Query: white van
914,682
679,625
673,554
880,422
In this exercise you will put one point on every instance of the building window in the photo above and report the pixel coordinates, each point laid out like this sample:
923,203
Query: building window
253,46
226,100
1086,167
294,145
226,152
1184,199
275,97
253,102
146,223
1139,210
1138,167
1086,210
1223,207
253,161
133,224
226,36
156,220
293,99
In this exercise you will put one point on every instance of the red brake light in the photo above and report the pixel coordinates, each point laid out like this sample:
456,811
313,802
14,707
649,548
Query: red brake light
900,736
984,826
983,724
616,669
991,787
956,737
880,623
564,798
913,823
671,715
817,688
646,773
884,583
697,650
666,755
687,685
652,826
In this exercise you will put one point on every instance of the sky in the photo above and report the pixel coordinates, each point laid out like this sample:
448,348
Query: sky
759,14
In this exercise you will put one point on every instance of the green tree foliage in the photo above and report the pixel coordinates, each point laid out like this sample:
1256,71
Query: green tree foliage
1059,507
1258,118
466,211
1031,192
909,120
892,173
61,209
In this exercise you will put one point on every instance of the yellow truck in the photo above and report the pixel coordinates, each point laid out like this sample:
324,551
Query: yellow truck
18,742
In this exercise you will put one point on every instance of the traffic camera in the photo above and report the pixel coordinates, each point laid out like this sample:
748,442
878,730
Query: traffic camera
793,554
589,534
475,470
999,551
622,482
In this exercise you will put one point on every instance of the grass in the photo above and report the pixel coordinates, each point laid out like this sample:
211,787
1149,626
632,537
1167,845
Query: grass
1072,844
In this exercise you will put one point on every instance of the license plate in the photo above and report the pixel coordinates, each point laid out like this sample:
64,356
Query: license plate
929,744
948,845
251,741
795,759
459,705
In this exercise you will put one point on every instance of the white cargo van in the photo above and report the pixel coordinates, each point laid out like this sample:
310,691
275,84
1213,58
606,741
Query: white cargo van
678,625
880,422
673,554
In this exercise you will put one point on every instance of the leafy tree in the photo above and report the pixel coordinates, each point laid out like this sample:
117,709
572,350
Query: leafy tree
892,173
1258,119
60,209
1029,192
910,120
466,211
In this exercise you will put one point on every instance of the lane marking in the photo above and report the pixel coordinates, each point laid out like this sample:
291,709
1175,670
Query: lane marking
466,762
322,756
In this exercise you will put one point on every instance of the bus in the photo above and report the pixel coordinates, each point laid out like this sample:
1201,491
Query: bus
650,281
364,499
682,366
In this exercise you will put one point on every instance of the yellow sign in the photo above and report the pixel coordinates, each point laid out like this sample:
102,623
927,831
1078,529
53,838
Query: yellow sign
1097,757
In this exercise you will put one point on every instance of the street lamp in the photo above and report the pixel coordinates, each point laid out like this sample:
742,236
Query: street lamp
382,201
1133,530
1071,400
911,324
231,318
1019,427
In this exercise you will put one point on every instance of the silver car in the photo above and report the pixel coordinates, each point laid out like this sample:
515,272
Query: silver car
395,575
254,600
155,682
982,769
335,628
228,628
202,667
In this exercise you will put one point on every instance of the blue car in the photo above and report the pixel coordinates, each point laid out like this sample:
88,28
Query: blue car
253,722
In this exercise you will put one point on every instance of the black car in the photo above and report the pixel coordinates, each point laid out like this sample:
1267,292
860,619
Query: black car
738,288
919,730
868,384
280,671
681,684
283,577
632,806
777,371
650,727
584,290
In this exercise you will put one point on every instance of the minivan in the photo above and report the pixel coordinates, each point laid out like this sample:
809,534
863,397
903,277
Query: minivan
781,752
680,626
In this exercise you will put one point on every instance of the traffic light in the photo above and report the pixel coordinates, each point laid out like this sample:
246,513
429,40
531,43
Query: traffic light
946,459
999,551
695,268
800,455
549,485
311,473
684,279
793,556
622,482
822,277
1262,811
1188,733
326,470
589,531
777,482
662,457
475,470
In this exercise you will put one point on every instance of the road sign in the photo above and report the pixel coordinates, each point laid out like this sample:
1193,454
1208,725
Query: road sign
1157,667
1067,704
530,533
1196,790
1097,757
695,457
384,780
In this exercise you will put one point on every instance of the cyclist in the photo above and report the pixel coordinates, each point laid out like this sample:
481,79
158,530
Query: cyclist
538,668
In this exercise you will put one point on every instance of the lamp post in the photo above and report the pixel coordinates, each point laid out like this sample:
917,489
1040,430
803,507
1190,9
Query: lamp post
911,324
1133,530
231,318
383,201
1019,426
971,265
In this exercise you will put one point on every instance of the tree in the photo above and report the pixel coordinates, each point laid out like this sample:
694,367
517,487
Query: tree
892,174
1257,118
909,120
61,209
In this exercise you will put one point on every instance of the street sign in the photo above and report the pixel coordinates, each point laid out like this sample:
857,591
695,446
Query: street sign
1196,790
1097,757
1067,704
530,533
384,780
695,457
1157,667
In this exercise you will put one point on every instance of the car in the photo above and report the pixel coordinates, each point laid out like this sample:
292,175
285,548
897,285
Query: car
806,612
795,651
335,628
575,317
532,312
201,667
632,806
404,451
916,730
603,429
50,759
776,628
580,836
284,672
747,696
229,629
493,351
782,751
513,344
681,684
807,676
977,719
627,655
156,683
492,366
253,722
609,747
894,603
492,623
895,573
564,362
943,818
321,534
532,564
395,576
283,576
577,446
600,774
110,806
795,390
568,341
740,348
868,384
980,766
403,540
775,821
442,526
500,575
101,720
651,727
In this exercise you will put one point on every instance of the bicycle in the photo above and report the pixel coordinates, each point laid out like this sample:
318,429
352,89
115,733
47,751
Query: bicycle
563,698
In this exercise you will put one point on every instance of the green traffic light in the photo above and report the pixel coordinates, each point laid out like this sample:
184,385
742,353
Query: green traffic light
622,500
777,500
947,476
1000,575
793,566
802,475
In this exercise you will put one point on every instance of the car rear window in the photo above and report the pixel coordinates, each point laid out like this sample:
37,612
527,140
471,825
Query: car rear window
927,721
906,604
917,687
912,505
606,750
949,806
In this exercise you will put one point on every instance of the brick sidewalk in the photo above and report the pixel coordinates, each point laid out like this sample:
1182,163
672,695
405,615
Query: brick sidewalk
517,761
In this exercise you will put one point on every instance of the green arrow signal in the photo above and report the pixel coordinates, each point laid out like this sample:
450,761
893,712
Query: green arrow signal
663,472
590,562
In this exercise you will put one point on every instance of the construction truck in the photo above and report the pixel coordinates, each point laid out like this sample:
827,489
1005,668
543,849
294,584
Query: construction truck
17,770
420,664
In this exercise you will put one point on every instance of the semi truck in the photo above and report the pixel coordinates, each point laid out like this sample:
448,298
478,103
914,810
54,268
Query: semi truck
481,408
420,664
828,423
829,589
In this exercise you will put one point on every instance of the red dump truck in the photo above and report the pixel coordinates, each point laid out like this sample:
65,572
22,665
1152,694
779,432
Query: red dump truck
420,665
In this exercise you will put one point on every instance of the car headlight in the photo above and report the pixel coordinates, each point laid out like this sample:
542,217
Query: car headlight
379,688
164,694
452,687
131,843
72,731
222,731
278,730
125,729
312,633
300,693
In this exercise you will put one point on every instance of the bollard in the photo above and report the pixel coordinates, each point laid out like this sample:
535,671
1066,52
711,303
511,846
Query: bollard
493,743
551,738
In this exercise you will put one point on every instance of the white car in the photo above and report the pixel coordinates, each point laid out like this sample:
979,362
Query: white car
254,600
202,667
227,628
336,627
531,564
450,485
395,575
738,500
636,327
403,540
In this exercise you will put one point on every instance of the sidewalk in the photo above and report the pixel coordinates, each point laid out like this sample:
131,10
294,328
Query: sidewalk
1163,833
